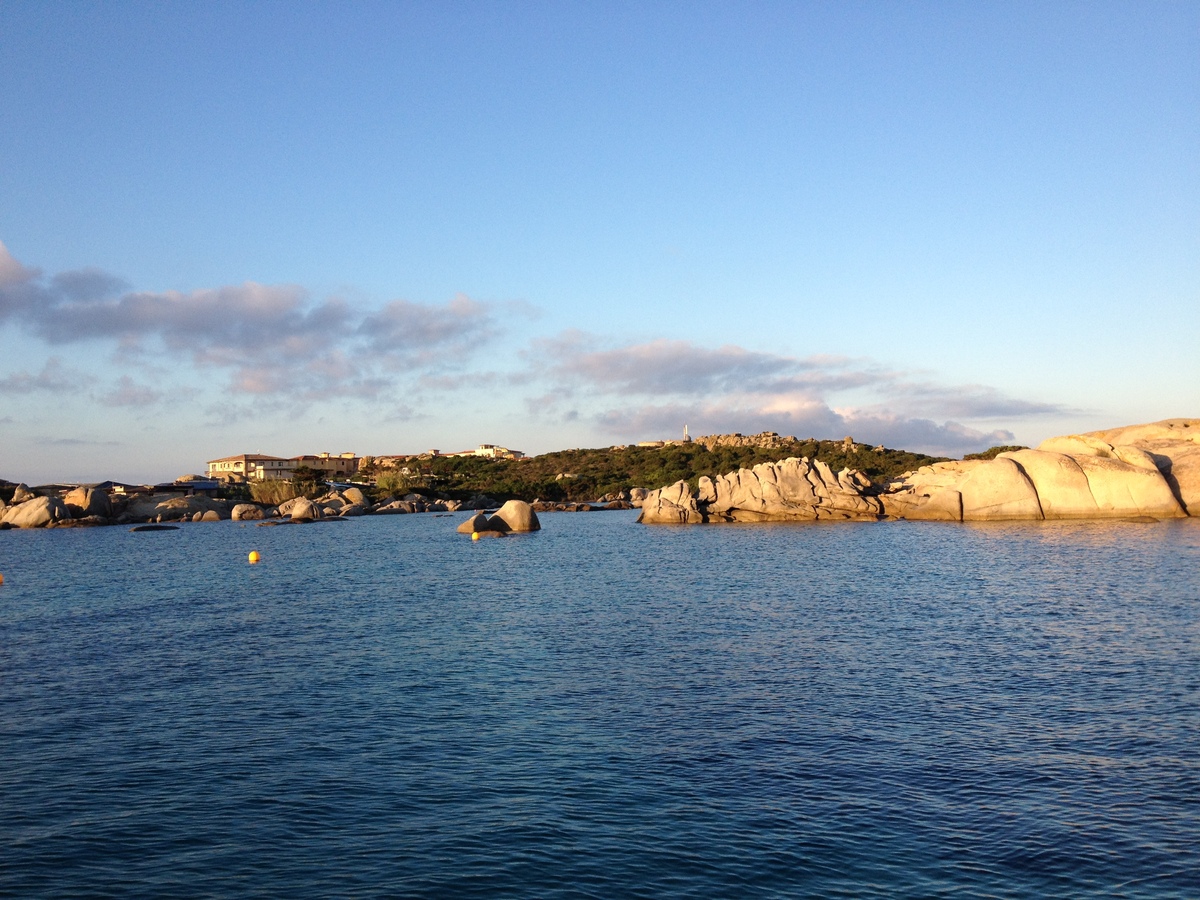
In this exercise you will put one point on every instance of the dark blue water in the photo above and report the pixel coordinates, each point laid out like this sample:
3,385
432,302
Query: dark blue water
384,708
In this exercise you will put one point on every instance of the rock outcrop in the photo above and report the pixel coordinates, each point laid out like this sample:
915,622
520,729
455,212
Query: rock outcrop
301,509
1139,471
791,490
170,508
247,512
515,515
475,524
674,505
1082,476
1174,447
84,502
37,512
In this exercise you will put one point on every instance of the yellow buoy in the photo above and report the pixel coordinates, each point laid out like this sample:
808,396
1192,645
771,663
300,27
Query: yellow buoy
474,535
254,557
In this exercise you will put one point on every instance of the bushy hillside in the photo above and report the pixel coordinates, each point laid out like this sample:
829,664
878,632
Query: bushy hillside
579,475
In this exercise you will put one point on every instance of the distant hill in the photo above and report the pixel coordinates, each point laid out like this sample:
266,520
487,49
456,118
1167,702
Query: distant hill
581,475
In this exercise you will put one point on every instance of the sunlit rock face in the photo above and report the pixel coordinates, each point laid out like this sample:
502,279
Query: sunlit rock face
1138,471
1174,447
37,512
85,501
515,515
791,490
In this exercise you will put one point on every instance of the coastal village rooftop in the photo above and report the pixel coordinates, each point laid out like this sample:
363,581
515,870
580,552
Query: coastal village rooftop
263,467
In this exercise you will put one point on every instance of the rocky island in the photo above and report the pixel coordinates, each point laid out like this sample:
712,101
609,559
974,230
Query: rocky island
1150,470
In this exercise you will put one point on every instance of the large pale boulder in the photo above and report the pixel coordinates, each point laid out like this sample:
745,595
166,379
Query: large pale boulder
515,515
246,512
285,508
36,513
84,501
1059,481
997,491
303,510
22,493
1173,445
941,504
674,505
354,495
1121,489
477,523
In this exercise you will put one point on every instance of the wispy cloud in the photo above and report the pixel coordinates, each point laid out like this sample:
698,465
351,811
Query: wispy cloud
74,442
275,350
130,393
272,340
54,378
406,335
654,388
684,369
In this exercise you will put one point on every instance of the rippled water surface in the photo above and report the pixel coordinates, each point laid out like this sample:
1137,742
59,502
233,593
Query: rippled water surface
384,708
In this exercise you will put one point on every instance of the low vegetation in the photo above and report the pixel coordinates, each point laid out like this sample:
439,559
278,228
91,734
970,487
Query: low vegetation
993,452
581,475
271,493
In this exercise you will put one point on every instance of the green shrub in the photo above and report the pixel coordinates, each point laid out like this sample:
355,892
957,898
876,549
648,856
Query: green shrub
393,482
272,493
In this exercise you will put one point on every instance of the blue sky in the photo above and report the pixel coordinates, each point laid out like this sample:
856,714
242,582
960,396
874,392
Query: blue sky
388,227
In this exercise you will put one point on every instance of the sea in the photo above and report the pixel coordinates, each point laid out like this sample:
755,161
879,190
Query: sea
383,708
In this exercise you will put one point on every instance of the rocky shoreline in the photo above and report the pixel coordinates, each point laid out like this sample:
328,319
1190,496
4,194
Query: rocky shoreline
1139,471
86,507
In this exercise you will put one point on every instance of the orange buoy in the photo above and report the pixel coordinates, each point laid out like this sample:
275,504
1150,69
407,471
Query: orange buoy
254,557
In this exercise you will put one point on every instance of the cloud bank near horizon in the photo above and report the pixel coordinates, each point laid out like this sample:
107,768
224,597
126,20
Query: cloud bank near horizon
286,351
666,383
